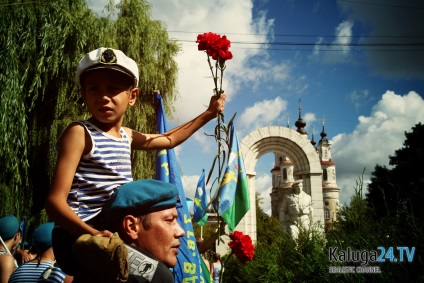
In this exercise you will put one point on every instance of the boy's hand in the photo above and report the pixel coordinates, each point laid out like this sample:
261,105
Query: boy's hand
216,104
22,256
104,233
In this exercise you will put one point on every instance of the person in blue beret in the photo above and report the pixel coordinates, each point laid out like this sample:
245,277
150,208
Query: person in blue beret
43,267
94,155
144,215
11,237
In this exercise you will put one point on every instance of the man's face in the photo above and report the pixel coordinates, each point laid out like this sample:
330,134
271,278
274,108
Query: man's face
298,188
161,239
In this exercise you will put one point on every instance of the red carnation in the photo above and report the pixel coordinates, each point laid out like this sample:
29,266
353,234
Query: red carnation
216,47
241,246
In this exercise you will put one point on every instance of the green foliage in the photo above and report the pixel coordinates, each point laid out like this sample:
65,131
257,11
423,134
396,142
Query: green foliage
396,198
283,260
399,189
280,259
268,228
41,44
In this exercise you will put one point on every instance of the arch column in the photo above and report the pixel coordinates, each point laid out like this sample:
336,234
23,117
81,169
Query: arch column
302,154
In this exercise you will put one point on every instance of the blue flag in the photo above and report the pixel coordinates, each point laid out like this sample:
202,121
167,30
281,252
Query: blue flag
22,225
188,268
201,201
234,199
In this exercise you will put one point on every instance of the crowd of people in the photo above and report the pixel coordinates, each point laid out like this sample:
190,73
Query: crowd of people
143,216
93,201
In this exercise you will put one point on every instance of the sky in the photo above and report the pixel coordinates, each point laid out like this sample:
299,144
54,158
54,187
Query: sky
356,65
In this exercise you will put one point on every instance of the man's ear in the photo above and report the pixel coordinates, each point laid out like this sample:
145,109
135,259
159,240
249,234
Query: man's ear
131,226
18,236
133,96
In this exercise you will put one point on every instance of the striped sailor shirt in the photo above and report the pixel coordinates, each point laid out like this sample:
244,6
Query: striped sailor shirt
100,172
34,271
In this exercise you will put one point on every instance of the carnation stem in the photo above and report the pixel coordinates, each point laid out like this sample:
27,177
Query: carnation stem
223,266
215,80
218,93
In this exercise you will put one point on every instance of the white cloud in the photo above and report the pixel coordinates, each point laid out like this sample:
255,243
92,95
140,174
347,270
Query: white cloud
262,113
338,53
233,17
375,138
203,141
317,46
344,36
190,186
309,118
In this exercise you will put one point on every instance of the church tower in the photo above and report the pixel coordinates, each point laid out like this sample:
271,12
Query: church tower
283,179
300,123
330,190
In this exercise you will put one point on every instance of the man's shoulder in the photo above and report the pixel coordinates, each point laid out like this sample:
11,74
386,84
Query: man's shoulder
142,264
303,194
6,261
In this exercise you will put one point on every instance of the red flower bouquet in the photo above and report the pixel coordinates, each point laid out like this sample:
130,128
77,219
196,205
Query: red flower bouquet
241,245
216,47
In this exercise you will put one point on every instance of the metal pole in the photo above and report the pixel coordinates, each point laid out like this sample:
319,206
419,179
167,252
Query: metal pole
201,232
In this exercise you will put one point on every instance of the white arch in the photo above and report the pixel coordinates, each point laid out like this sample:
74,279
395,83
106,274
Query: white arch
302,154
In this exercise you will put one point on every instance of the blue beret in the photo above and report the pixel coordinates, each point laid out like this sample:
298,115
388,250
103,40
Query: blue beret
140,197
9,226
42,236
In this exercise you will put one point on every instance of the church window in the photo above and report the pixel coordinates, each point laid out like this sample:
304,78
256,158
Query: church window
327,214
324,174
284,173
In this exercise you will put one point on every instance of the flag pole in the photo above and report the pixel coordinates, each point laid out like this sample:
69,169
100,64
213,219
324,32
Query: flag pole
201,232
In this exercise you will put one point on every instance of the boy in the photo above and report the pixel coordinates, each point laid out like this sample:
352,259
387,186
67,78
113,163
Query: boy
94,156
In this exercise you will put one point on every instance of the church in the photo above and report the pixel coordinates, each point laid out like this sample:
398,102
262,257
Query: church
296,158
283,177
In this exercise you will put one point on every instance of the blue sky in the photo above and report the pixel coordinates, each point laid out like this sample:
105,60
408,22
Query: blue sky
359,64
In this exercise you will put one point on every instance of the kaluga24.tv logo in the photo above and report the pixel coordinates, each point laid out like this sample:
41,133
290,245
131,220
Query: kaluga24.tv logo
365,257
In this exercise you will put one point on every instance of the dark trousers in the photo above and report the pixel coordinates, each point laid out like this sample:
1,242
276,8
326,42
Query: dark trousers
63,242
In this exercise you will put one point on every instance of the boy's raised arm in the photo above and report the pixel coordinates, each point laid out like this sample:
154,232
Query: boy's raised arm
179,134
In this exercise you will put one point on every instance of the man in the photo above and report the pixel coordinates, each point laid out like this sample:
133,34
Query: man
42,268
144,215
11,237
296,210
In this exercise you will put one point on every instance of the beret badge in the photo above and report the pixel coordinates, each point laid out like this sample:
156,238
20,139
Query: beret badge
108,57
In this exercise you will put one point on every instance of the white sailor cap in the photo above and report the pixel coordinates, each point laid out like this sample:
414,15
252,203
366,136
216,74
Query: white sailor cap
107,58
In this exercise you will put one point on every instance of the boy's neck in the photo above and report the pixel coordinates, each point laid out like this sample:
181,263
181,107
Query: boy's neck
112,129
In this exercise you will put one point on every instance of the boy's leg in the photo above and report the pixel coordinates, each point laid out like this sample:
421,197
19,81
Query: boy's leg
63,242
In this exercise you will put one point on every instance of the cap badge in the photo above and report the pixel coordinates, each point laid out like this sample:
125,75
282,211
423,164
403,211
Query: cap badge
108,57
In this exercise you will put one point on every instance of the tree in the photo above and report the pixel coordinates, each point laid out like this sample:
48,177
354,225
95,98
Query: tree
396,196
41,44
392,191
